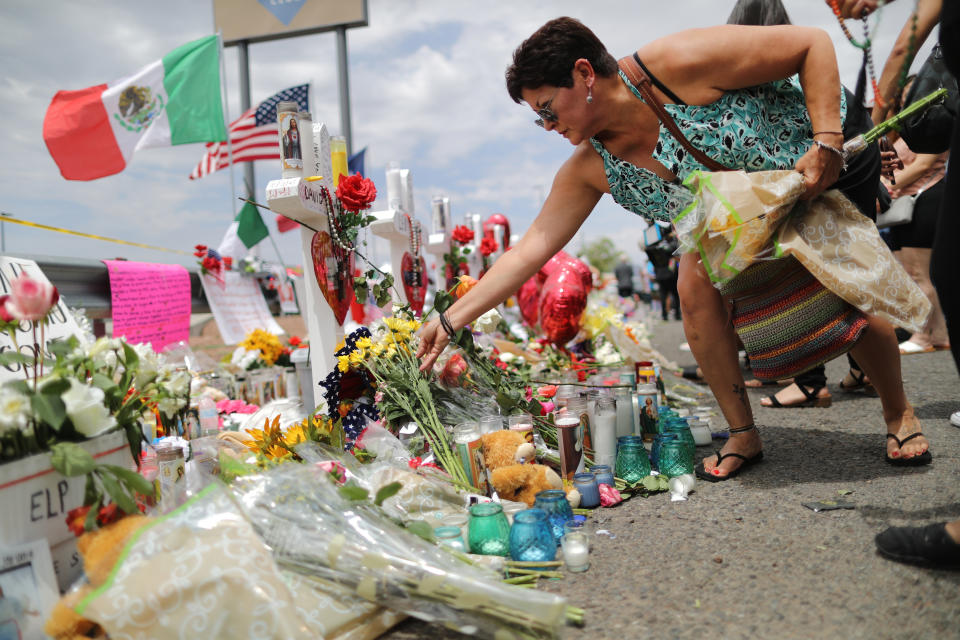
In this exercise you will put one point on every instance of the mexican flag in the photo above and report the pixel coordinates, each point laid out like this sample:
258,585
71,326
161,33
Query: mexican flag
92,133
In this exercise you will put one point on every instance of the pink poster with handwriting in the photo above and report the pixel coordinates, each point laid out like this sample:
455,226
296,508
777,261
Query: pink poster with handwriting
151,302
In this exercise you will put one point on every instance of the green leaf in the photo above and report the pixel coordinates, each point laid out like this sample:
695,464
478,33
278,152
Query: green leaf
20,386
353,492
90,490
442,301
130,357
90,522
117,493
49,408
651,483
101,381
386,491
422,529
62,348
132,479
71,459
55,387
14,357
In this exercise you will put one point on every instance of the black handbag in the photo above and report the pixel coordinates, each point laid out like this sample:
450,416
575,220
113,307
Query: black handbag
929,132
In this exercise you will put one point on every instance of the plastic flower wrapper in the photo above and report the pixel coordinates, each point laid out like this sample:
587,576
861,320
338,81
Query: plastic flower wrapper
313,529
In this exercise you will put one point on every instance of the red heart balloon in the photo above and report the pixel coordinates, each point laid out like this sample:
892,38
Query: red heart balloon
414,272
334,277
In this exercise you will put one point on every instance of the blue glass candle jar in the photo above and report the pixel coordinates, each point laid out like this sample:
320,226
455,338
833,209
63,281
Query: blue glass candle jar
633,463
603,473
488,530
531,537
586,484
554,503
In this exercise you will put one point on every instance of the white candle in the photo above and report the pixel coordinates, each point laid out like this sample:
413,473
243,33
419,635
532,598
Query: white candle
576,553
605,438
624,415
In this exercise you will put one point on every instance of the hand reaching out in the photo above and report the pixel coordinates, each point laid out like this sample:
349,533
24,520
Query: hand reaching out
433,340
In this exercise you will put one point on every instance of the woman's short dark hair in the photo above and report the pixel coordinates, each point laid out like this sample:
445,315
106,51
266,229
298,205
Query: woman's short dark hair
760,13
547,57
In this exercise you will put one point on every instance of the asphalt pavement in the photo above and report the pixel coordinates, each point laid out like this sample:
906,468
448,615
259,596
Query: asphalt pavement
744,558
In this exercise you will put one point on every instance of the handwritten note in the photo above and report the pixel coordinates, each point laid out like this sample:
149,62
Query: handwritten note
151,302
238,306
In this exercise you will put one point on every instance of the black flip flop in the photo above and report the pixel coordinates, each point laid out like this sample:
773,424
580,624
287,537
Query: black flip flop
709,477
812,399
690,373
915,461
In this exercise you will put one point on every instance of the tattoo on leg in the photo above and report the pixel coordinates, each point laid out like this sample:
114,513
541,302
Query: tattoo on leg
741,390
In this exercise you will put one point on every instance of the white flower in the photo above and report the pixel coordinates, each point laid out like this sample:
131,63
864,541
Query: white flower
86,410
608,354
14,410
149,365
507,357
237,356
249,359
177,385
487,323
170,406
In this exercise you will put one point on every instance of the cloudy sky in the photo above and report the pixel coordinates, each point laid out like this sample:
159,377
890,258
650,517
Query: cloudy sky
427,91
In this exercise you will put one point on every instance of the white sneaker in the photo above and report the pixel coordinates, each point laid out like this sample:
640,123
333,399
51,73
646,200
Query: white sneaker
955,418
684,346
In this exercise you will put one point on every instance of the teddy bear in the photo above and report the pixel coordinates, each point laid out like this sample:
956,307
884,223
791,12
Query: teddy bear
507,455
100,550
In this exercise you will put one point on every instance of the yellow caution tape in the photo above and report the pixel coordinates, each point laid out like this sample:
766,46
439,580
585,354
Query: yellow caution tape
37,225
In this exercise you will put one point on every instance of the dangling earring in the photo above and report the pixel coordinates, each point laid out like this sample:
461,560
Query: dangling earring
589,95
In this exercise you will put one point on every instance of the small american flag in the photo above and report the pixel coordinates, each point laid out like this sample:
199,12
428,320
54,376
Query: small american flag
254,135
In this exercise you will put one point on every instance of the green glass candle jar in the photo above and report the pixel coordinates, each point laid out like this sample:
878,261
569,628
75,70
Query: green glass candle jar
675,459
633,463
554,503
488,530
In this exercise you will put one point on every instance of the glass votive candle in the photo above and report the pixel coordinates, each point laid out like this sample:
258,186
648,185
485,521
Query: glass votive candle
491,423
658,441
523,424
531,537
603,473
633,462
450,537
586,484
488,530
554,503
675,458
458,520
576,551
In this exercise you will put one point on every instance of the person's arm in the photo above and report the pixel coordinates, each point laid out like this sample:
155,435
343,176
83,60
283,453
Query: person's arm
928,15
702,64
914,171
572,197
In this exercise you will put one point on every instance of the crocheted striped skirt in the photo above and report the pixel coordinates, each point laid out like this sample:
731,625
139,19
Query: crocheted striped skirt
788,321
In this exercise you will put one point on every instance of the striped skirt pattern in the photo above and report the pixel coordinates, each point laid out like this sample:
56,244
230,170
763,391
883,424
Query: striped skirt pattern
788,321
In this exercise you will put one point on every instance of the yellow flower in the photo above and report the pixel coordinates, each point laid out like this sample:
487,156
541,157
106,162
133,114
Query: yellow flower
356,358
277,452
295,435
343,363
364,343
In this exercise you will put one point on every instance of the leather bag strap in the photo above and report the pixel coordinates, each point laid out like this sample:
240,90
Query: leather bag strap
636,75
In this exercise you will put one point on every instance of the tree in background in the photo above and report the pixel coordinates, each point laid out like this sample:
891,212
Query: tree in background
601,254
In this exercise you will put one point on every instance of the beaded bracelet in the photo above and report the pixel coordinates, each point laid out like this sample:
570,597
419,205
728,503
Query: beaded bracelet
832,149
445,323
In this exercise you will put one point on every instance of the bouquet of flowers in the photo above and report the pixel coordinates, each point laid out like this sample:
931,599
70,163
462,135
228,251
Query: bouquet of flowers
210,262
456,259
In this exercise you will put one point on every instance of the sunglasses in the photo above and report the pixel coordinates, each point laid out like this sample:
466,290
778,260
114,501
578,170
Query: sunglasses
545,112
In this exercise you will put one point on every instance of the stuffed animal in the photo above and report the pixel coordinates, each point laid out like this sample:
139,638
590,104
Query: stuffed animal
100,550
507,455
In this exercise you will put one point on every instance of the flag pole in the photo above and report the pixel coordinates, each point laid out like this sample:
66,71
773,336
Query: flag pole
226,111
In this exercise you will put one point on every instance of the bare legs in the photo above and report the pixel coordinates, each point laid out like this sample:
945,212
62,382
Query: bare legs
916,261
713,343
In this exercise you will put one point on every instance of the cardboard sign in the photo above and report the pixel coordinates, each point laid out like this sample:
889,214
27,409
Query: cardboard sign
150,302
238,306
29,589
60,325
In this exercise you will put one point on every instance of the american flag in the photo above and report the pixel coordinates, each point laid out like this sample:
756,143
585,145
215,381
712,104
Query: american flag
254,135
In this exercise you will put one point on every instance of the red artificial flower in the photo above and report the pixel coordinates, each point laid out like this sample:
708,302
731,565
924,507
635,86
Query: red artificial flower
295,341
488,246
501,364
108,514
201,250
211,264
228,262
76,518
356,193
462,234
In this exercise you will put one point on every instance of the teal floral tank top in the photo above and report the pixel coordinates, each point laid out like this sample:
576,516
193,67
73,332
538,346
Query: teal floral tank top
757,129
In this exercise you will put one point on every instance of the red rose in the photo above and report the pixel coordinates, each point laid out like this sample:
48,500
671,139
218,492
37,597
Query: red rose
488,246
295,341
356,193
227,262
211,264
462,234
5,316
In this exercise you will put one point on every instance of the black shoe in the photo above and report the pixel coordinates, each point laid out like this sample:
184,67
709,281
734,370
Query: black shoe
929,546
